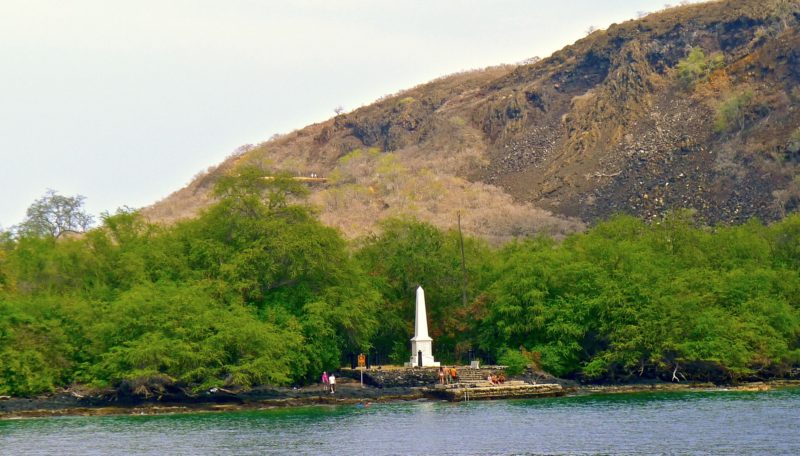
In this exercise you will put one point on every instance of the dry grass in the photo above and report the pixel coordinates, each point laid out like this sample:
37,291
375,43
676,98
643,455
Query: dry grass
368,186
540,131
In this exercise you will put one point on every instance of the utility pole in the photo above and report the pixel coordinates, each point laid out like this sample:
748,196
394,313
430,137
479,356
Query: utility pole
463,263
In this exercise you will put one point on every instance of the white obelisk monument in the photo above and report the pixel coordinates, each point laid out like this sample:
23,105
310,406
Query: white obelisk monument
421,343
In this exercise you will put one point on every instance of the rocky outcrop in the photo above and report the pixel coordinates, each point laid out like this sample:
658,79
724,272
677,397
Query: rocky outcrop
603,126
110,402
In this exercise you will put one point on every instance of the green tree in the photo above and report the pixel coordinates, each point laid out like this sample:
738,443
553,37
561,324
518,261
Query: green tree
514,361
54,215
36,351
409,253
183,334
250,184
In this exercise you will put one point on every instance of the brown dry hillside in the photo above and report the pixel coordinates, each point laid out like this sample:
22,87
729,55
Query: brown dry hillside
693,107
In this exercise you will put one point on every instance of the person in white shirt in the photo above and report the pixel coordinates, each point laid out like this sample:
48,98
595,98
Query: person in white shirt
332,382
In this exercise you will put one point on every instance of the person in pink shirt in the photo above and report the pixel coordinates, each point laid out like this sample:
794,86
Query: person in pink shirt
325,381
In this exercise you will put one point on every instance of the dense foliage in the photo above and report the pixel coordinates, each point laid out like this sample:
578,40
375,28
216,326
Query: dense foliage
628,299
254,291
257,291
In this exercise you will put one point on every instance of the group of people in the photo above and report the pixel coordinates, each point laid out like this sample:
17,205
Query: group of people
329,382
447,375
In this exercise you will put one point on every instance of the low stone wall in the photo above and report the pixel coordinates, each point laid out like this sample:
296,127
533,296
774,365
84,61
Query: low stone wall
393,378
416,377
468,375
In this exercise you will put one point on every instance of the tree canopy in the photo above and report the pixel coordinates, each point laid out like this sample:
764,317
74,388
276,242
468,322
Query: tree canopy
54,214
255,290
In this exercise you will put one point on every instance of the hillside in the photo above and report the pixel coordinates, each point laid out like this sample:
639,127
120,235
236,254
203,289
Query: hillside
692,107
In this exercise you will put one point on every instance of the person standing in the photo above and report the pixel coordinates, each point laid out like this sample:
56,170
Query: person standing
325,381
441,375
332,382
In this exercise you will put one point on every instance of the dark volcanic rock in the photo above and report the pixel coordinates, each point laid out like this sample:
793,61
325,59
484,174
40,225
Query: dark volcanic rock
389,378
603,126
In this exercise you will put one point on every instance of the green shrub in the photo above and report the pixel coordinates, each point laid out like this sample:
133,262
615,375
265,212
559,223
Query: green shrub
732,112
514,361
794,141
697,67
595,369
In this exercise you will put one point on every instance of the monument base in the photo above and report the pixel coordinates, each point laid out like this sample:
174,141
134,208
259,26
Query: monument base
421,346
427,361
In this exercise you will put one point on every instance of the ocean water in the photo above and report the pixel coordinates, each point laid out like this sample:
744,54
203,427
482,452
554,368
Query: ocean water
719,422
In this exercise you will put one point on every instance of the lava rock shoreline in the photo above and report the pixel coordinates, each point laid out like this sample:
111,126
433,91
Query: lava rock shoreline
348,391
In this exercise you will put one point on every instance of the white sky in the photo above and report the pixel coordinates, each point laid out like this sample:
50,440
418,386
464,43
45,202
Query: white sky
124,101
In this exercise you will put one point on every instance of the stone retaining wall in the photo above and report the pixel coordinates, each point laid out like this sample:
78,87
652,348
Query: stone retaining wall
416,377
497,392
391,378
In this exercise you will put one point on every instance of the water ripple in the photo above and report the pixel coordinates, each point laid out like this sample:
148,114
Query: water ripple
666,423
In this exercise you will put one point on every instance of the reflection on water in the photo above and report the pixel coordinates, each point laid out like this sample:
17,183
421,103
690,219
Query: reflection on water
665,423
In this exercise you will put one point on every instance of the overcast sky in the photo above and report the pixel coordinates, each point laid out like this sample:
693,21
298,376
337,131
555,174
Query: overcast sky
124,101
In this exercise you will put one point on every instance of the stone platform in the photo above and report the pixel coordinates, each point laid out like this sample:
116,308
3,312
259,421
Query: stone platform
480,391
